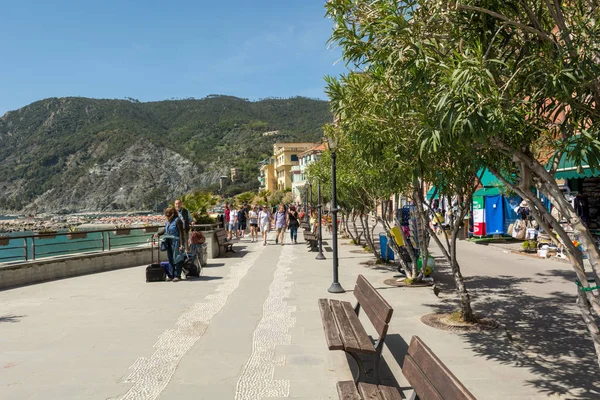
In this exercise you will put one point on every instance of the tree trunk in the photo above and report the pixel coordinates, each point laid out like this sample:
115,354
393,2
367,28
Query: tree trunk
465,298
347,227
449,252
364,221
357,235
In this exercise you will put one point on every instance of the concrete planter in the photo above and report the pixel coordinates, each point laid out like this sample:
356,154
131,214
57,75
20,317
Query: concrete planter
77,235
151,229
205,227
4,240
122,232
48,235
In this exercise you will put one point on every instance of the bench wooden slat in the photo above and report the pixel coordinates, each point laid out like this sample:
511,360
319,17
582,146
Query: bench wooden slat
332,335
438,374
419,382
345,328
369,391
378,303
389,393
364,342
347,391
378,323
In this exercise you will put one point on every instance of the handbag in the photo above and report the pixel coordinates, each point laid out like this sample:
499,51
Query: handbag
164,245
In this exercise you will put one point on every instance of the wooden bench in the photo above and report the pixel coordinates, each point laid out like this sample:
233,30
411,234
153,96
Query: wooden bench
344,331
312,240
347,390
429,378
222,241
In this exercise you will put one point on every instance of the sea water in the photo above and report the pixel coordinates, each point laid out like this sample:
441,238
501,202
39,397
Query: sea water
61,245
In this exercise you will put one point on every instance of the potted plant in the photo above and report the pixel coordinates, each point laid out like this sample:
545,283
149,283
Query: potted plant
46,233
529,246
74,234
4,240
122,230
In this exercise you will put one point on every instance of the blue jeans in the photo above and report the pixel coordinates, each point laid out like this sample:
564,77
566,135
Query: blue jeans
174,268
294,233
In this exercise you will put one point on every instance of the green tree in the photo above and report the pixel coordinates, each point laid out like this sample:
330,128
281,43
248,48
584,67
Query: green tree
510,83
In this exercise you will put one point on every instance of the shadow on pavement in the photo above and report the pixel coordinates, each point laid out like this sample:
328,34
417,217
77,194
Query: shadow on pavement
240,252
214,265
544,334
386,376
202,278
11,318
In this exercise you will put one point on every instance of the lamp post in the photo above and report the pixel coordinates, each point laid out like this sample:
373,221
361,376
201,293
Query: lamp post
320,256
335,285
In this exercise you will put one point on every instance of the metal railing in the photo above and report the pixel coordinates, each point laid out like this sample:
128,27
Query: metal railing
29,247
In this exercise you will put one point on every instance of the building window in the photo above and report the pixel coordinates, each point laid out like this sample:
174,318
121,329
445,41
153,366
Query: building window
294,157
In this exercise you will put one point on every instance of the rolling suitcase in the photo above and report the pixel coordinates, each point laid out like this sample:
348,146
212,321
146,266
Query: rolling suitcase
155,272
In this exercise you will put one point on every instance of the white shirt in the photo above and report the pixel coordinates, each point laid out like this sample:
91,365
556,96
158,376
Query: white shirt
252,216
232,216
264,217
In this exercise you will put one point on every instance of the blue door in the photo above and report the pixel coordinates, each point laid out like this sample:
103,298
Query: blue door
494,215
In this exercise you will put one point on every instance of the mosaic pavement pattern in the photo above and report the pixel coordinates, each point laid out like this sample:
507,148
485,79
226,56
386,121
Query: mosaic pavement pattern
256,381
151,375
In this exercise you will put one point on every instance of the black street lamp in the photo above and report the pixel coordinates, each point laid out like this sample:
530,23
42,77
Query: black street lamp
320,256
335,285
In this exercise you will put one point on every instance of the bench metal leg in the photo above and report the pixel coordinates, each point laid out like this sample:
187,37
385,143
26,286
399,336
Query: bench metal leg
377,360
361,376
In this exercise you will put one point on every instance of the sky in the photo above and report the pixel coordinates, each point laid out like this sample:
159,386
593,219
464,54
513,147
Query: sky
155,50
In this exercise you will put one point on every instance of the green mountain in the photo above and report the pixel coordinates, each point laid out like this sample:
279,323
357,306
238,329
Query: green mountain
67,154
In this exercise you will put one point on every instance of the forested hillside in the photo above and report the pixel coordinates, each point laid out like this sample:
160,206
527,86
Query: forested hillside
67,154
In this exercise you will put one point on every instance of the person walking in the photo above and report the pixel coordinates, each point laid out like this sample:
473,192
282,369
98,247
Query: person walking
242,217
293,224
172,235
253,221
264,218
232,222
281,223
226,212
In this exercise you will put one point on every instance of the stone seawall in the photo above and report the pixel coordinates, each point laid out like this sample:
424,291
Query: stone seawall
53,268
48,269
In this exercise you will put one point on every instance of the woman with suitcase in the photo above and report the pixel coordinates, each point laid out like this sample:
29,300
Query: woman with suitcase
172,238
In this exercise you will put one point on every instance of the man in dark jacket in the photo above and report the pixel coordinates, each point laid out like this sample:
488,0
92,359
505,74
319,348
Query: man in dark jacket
186,218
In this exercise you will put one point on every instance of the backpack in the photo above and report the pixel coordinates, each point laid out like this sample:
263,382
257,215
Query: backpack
293,220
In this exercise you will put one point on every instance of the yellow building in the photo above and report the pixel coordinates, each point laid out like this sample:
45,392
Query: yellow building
267,178
286,156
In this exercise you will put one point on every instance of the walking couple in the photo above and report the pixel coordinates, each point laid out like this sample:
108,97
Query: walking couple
286,219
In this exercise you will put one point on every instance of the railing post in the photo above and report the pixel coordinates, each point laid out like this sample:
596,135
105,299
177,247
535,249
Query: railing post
25,248
108,239
32,248
102,239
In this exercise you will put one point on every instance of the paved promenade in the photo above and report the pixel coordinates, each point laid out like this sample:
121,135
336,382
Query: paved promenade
250,329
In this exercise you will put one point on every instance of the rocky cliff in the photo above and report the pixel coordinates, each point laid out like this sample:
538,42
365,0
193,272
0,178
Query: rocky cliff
77,154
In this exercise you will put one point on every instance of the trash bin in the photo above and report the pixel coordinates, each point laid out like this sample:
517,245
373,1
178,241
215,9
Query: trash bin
386,252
